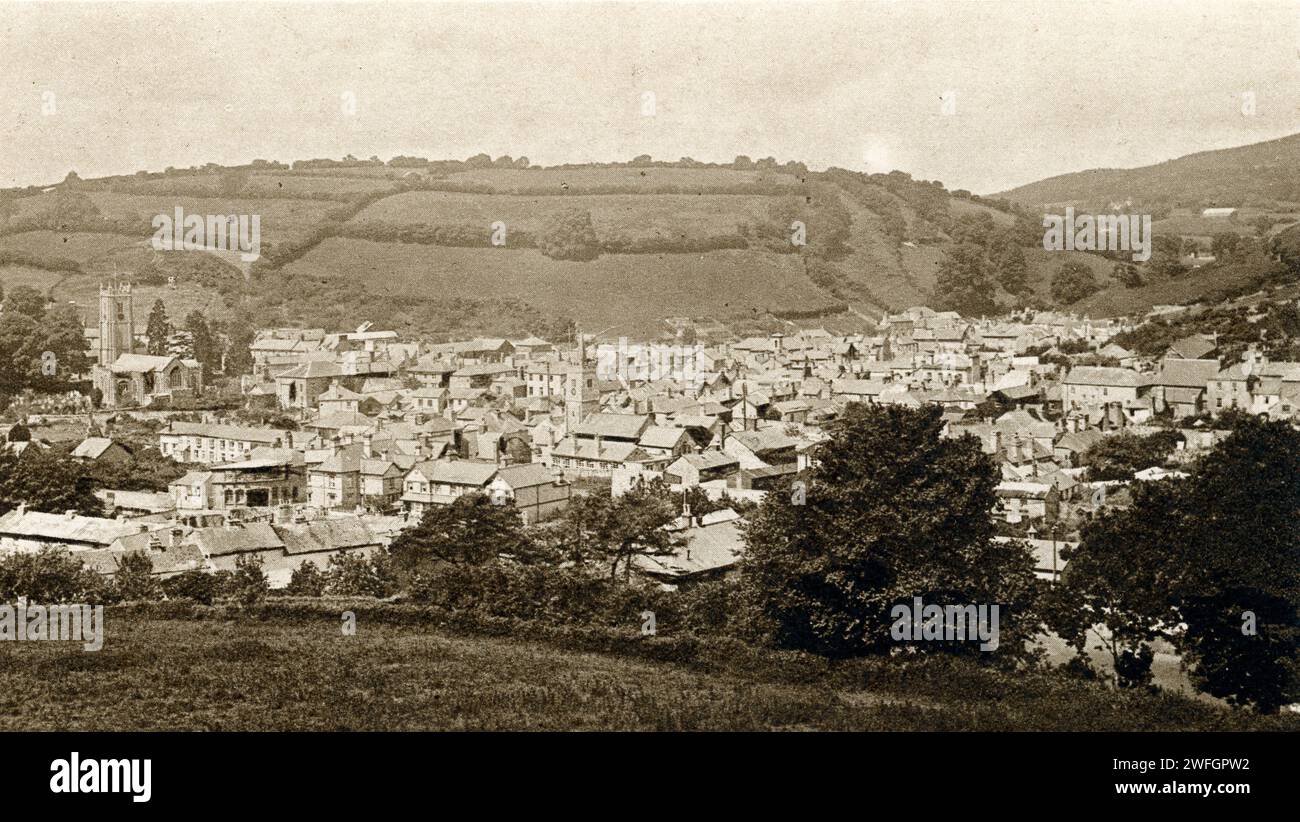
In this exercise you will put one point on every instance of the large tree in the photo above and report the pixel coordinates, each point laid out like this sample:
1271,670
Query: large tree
159,329
963,283
472,530
46,480
1211,563
891,511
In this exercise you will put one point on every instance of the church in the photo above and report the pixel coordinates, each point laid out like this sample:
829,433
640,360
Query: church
126,379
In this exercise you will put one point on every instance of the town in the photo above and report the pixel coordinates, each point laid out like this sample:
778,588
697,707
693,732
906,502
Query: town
368,431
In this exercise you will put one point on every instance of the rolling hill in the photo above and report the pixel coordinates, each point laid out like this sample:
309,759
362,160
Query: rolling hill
1260,175
416,245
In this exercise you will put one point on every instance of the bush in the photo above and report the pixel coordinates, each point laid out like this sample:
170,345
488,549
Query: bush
199,586
307,580
134,577
50,576
249,583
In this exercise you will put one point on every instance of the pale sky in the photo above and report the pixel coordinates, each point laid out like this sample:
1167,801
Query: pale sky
1040,88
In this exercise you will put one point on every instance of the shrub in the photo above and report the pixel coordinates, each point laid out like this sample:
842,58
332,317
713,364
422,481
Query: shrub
249,583
134,577
50,576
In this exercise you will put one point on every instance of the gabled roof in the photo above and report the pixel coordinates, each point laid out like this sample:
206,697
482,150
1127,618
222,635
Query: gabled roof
224,540
1102,375
38,525
1187,373
459,472
94,447
140,363
526,475
624,426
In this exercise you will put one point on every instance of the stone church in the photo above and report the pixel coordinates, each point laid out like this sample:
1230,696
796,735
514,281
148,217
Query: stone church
126,379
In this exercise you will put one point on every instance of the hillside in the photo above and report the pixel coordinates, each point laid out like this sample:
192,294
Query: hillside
445,248
1261,175
255,674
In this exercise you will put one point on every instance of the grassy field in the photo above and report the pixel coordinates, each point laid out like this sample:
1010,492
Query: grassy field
505,180
634,215
631,292
157,674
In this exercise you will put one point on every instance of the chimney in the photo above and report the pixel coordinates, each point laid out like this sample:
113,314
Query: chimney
367,442
70,513
175,536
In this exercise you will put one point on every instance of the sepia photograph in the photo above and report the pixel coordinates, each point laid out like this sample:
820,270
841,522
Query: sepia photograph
922,368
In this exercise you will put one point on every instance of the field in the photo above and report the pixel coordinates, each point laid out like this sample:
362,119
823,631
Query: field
633,215
632,293
506,180
162,674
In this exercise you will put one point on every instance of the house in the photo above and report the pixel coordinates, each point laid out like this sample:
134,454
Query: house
596,457
1019,501
209,443
665,441
299,387
101,449
25,530
1181,385
1231,388
268,481
761,448
1090,386
708,547
441,482
707,466
536,493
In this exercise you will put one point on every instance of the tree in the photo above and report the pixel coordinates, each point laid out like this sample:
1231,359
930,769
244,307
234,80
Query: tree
306,581
48,576
570,235
891,511
134,578
1073,282
1216,553
25,300
19,432
963,283
354,575
206,348
46,480
472,530
239,355
1012,270
249,583
612,532
1120,456
159,329
1127,273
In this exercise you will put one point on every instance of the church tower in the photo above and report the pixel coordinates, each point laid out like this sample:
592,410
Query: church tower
581,394
116,322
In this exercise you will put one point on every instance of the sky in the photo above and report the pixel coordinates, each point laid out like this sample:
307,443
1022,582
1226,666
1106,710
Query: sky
979,95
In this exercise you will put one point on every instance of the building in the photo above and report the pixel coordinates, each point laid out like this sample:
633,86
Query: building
442,482
1088,386
536,493
125,378
211,443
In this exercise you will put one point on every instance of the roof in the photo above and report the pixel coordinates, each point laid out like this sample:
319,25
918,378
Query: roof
662,436
140,363
526,475
94,447
764,439
1102,375
1193,347
609,451
625,426
41,526
325,535
1187,373
707,460
223,432
223,540
459,472
312,369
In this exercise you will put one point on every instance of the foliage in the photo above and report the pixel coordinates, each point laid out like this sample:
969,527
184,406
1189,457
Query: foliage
570,235
47,480
134,578
892,511
48,576
1073,282
1119,456
249,584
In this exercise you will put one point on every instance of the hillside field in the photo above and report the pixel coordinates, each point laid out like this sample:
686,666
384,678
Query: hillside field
254,674
631,292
